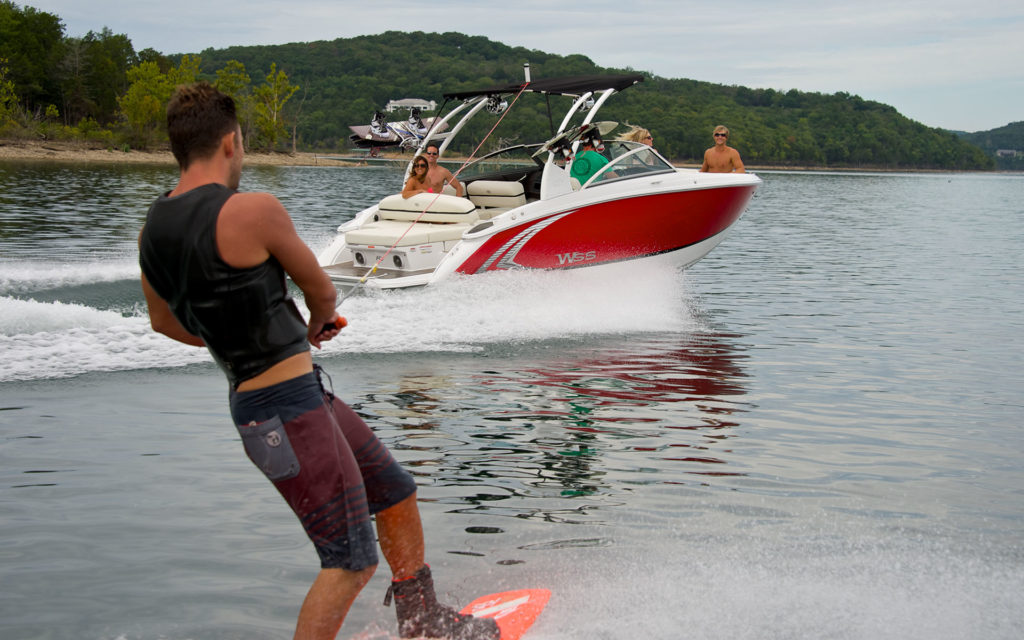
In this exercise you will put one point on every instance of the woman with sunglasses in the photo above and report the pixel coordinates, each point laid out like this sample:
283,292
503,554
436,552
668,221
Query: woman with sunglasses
637,134
722,158
642,136
417,181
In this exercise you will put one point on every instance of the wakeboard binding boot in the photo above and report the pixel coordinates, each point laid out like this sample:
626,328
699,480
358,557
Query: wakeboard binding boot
420,615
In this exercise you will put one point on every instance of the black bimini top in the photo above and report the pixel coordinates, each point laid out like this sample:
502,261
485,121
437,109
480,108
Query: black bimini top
569,85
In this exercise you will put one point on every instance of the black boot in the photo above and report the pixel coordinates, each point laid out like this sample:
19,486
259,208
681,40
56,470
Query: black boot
420,615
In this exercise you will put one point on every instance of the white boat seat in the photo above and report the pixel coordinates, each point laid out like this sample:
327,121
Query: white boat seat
494,197
389,232
428,207
421,219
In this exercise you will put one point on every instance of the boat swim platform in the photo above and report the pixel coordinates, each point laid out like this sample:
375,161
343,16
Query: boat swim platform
349,271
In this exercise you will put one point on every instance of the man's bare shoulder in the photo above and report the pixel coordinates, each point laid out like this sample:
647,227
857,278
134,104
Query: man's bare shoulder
252,206
256,212
255,199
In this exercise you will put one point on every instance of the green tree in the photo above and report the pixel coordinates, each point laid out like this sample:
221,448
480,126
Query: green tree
152,55
94,74
32,42
233,80
107,58
143,104
74,90
8,98
186,72
271,98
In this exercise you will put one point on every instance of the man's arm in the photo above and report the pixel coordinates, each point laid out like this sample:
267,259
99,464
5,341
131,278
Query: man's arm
737,164
269,228
163,321
455,183
706,166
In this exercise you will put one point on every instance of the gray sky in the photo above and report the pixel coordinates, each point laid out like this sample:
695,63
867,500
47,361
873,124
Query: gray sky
945,63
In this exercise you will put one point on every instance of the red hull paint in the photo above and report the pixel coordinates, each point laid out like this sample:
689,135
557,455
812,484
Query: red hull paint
612,231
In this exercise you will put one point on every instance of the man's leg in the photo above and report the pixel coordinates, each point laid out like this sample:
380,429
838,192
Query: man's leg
328,602
401,537
419,613
400,534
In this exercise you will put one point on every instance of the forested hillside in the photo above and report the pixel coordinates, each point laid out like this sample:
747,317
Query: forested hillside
1004,139
346,79
305,95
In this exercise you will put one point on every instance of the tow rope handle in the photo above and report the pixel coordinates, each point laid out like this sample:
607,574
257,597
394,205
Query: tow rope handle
339,323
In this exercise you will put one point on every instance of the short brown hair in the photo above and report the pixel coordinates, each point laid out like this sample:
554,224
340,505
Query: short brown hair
198,116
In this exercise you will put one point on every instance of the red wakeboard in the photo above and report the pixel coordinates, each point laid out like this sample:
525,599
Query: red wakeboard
514,611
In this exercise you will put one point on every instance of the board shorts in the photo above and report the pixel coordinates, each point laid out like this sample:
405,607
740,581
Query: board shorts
325,461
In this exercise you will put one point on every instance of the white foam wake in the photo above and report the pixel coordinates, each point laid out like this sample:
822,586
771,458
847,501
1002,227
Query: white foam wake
465,313
22,276
54,339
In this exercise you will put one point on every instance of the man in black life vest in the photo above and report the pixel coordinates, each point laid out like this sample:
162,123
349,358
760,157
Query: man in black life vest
213,263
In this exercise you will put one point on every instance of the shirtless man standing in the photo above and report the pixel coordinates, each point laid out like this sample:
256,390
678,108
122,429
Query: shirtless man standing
438,176
722,158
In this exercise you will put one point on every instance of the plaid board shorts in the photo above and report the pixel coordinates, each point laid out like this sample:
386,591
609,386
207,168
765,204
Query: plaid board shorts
325,461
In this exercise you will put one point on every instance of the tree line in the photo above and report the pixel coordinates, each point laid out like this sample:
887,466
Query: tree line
307,94
98,88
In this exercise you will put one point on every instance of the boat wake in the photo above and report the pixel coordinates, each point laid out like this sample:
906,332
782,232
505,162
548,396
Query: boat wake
41,338
468,313
19,277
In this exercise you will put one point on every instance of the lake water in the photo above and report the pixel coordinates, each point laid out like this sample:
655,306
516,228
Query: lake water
815,432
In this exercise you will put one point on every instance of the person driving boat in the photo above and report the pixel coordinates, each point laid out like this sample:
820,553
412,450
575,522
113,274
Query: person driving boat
589,161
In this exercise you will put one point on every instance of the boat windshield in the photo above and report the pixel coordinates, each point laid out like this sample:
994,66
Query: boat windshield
629,160
626,160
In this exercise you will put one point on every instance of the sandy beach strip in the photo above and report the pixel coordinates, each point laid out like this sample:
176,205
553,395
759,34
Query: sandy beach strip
85,153
82,152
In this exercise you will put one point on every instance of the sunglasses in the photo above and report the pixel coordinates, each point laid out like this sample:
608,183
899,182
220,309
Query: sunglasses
420,165
431,153
721,135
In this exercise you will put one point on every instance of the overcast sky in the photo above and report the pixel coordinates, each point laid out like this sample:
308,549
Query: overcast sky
945,63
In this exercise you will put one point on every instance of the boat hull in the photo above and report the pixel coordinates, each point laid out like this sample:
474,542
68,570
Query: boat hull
676,226
686,223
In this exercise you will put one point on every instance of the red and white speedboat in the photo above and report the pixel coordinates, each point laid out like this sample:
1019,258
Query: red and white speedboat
524,211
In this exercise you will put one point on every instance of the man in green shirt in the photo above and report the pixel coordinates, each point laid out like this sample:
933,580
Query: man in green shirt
589,161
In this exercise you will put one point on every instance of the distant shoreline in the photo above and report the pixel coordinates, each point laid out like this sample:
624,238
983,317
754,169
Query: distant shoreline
84,153
78,152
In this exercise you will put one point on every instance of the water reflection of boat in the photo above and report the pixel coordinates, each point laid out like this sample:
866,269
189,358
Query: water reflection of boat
550,435
699,371
653,413
525,211
704,372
